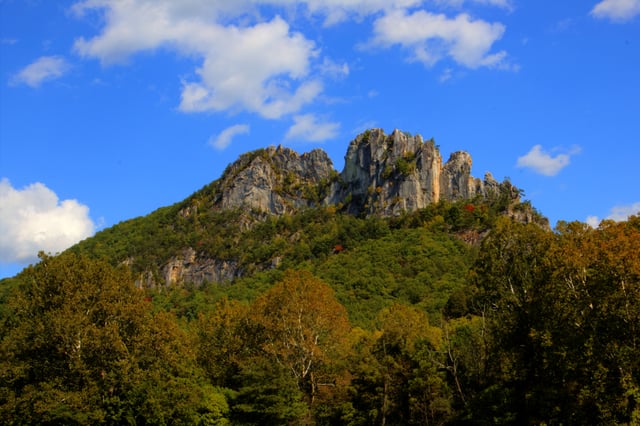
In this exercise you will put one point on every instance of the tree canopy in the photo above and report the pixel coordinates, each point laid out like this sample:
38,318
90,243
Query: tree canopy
410,322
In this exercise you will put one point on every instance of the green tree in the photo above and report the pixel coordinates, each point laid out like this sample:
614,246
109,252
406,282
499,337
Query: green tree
268,395
513,275
395,377
563,318
225,342
82,347
597,273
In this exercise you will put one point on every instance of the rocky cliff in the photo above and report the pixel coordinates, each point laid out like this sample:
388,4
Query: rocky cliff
391,174
383,175
274,180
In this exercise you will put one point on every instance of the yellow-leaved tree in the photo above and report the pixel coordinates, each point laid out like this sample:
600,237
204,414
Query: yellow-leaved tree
304,329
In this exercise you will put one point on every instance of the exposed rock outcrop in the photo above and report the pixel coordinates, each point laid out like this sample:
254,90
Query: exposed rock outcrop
383,175
186,267
274,180
388,175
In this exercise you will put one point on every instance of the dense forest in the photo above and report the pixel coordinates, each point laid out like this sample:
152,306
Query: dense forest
455,314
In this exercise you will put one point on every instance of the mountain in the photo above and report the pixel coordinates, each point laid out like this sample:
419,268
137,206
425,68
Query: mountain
383,175
399,291
214,235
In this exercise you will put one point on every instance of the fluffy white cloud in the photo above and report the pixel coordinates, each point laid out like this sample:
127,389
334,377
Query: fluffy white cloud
616,10
335,11
262,68
544,163
34,219
306,127
592,221
431,37
617,213
251,60
239,70
224,138
43,69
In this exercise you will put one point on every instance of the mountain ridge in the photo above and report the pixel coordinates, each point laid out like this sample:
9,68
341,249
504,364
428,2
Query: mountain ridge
383,175
204,237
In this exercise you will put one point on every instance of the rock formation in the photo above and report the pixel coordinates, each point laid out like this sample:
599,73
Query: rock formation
388,175
274,180
383,175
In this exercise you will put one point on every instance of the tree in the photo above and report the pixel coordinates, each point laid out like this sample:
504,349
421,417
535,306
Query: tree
563,323
84,348
268,395
303,329
598,272
395,377
512,274
224,341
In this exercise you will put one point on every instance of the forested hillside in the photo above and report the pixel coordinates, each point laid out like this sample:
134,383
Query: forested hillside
453,314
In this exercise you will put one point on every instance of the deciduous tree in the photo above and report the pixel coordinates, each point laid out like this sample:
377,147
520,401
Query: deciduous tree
303,328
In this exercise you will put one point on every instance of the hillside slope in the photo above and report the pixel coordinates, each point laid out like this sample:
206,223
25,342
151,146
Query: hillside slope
249,219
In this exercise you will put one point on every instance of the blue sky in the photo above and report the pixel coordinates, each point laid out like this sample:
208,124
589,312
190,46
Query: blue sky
110,109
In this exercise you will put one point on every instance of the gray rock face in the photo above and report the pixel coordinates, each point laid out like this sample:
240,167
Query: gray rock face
388,175
274,180
383,175
186,267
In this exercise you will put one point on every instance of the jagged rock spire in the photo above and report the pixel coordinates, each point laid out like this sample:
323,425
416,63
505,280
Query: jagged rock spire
383,175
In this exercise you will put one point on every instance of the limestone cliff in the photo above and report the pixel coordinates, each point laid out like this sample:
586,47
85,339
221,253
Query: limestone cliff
383,175
274,180
390,174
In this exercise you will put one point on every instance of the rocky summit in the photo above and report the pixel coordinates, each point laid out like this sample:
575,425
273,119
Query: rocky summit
383,175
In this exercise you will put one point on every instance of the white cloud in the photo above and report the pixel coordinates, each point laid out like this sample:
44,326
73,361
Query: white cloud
306,127
431,37
616,10
333,69
335,11
262,68
224,138
500,3
544,163
43,69
617,213
250,59
592,221
34,219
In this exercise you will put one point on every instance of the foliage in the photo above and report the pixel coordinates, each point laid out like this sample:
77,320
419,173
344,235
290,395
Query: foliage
82,347
303,328
454,314
563,311
395,371
268,395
